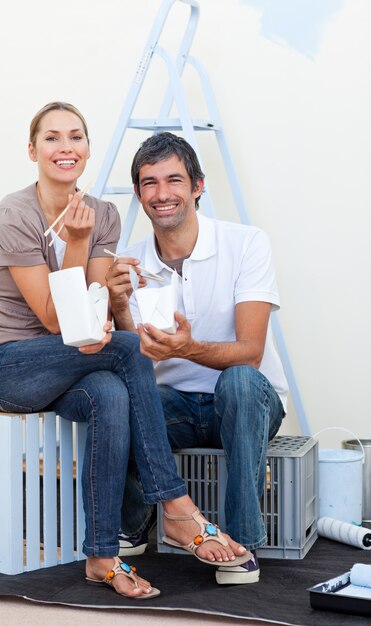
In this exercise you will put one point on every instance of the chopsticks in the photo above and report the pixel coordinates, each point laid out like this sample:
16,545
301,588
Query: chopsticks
149,274
48,230
56,235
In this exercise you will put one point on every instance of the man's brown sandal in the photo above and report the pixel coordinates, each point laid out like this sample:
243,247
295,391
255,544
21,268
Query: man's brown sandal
208,532
123,569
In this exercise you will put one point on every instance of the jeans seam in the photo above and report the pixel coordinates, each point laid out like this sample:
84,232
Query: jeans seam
220,417
258,389
18,407
266,406
139,421
92,462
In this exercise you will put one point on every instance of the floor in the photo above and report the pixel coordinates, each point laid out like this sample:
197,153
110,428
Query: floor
19,612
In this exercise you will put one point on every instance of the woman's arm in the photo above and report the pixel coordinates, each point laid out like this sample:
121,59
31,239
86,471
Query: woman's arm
97,270
33,283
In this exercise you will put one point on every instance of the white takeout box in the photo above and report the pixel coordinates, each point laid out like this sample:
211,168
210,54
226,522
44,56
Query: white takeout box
81,313
157,305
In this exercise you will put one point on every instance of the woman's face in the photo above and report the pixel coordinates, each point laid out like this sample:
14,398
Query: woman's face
61,148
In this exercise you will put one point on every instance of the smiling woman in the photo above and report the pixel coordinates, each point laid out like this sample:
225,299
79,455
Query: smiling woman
59,143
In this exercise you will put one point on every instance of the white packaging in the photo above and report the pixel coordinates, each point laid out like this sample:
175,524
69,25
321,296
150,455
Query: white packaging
157,305
81,313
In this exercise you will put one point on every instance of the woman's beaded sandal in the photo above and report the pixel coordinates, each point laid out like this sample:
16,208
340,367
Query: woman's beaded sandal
208,532
122,569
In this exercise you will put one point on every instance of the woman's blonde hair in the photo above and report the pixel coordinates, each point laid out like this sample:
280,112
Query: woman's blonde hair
54,106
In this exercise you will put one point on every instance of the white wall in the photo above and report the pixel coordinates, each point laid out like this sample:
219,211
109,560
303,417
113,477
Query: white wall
294,92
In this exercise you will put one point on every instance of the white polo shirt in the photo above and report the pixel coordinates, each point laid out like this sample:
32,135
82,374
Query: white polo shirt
230,263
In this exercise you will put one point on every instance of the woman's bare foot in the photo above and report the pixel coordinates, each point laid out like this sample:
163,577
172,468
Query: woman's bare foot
97,568
184,532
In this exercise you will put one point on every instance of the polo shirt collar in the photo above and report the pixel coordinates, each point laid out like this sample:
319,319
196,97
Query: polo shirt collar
205,245
206,241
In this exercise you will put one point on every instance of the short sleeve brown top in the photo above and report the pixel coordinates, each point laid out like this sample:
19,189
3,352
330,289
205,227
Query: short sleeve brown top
22,243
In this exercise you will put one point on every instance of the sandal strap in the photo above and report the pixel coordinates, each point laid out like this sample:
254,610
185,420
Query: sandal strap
121,569
183,518
208,531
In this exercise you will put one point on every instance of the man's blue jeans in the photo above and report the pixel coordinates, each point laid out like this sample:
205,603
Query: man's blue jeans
116,393
241,417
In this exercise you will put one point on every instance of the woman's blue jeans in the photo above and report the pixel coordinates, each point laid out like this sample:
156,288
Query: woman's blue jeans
115,392
242,415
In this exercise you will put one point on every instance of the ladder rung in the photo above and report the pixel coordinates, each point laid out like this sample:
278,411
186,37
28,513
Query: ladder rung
117,190
169,123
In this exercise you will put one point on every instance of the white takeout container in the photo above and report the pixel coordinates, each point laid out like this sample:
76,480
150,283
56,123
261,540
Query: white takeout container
157,305
81,313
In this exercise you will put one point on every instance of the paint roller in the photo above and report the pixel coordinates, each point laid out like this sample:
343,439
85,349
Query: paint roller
344,532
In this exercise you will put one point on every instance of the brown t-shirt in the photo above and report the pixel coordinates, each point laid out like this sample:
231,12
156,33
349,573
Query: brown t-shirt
22,243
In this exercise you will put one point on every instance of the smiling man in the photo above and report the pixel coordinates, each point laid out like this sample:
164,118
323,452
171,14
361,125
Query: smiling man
220,379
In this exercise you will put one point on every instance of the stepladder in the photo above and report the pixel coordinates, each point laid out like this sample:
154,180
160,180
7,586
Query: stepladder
174,115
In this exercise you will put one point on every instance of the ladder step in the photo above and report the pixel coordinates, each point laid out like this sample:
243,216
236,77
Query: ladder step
117,190
169,123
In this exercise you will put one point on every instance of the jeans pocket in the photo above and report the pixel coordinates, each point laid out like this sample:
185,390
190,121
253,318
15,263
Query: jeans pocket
10,407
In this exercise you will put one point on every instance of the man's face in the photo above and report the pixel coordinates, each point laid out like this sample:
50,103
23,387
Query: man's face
166,193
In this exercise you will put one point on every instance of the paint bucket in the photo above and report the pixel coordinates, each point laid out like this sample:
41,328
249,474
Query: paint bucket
340,482
353,444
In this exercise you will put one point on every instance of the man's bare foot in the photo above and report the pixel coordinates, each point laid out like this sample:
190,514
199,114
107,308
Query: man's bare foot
97,568
185,531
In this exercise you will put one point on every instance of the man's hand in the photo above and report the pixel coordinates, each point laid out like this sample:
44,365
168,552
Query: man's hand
251,327
97,347
120,289
159,346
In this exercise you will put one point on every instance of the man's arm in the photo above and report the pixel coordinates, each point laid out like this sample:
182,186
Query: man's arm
251,322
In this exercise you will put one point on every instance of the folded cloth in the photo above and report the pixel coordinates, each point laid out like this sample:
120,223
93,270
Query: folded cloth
360,575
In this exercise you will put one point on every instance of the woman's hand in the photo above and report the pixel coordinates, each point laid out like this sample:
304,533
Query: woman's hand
79,219
79,222
97,347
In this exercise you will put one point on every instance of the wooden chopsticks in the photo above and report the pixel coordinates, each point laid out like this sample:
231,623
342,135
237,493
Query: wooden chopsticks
149,274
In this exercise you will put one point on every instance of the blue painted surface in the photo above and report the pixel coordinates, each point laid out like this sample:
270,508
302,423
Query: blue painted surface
298,23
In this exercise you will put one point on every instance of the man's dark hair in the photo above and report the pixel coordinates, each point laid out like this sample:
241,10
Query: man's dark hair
161,147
